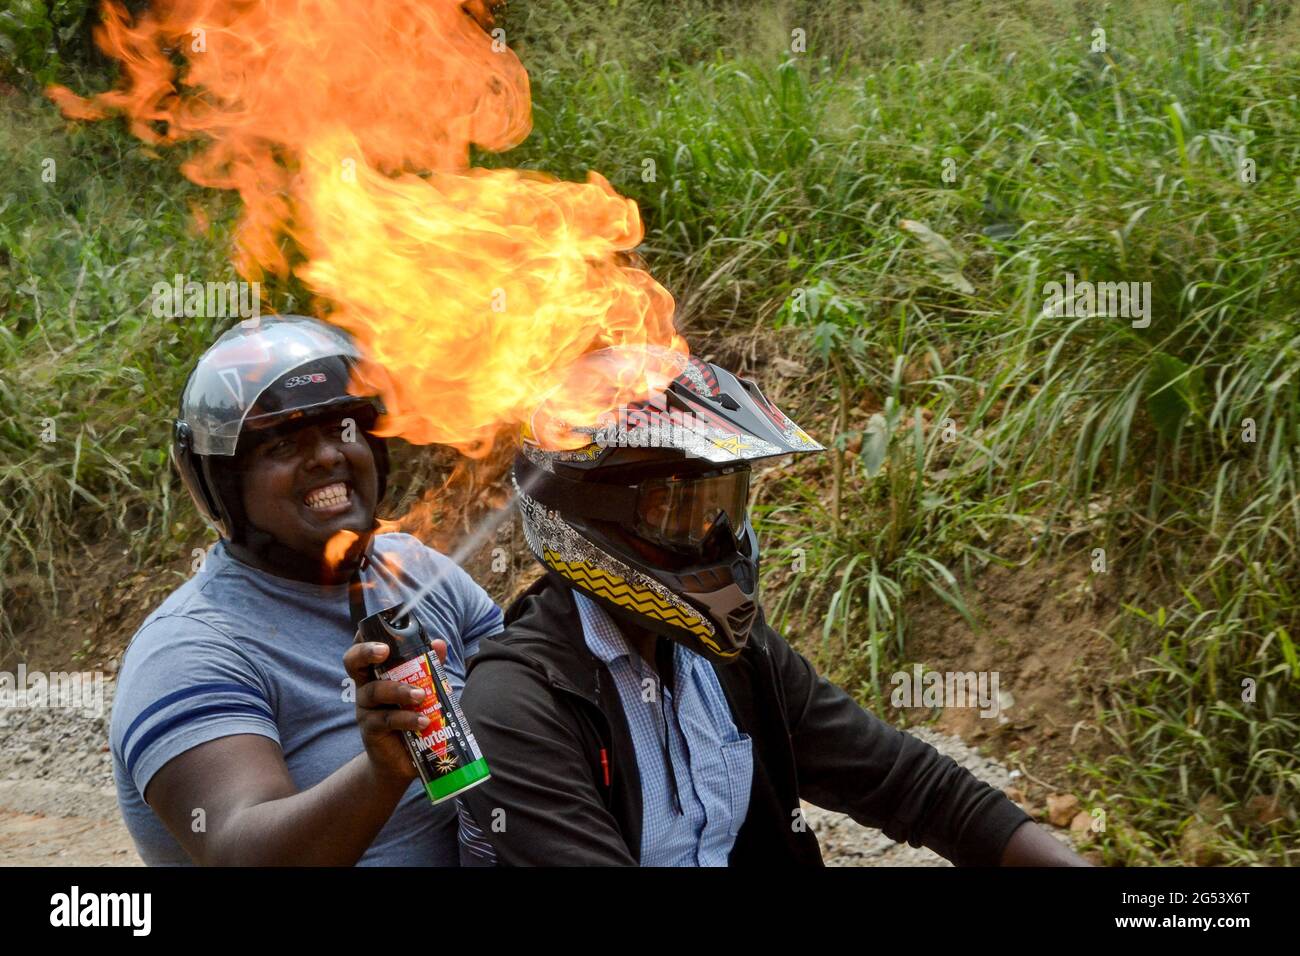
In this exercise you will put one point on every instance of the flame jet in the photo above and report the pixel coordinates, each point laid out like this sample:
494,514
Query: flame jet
346,128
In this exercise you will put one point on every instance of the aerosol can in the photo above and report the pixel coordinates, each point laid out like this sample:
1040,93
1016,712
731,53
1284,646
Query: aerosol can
445,753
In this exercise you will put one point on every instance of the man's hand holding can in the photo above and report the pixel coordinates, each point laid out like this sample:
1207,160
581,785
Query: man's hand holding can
386,708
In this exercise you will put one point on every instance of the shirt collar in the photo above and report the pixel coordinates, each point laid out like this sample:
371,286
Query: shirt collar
602,635
606,641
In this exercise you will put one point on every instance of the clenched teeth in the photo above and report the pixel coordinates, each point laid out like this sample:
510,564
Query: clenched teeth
328,496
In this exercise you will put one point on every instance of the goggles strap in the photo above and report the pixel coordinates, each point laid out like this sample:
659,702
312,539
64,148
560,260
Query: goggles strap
585,499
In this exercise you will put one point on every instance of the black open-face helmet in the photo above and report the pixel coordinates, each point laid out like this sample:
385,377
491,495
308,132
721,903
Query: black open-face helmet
263,375
670,472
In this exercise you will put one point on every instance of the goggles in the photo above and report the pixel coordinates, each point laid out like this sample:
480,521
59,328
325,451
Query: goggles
676,511
680,512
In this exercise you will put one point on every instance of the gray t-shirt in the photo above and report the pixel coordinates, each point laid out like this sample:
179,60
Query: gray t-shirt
236,650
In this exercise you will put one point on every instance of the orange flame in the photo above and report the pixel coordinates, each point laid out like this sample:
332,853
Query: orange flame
346,127
336,548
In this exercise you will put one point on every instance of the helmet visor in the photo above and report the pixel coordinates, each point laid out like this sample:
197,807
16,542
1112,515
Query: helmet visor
679,512
250,365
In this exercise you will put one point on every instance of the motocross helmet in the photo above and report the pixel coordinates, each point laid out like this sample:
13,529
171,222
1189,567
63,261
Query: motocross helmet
646,511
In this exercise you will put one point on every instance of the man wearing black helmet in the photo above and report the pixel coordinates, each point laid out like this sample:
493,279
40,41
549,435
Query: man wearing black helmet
234,738
639,709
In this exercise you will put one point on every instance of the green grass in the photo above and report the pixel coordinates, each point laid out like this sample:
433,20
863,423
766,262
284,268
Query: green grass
776,172
78,352
89,378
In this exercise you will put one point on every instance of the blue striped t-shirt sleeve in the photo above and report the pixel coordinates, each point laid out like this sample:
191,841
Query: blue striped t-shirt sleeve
183,683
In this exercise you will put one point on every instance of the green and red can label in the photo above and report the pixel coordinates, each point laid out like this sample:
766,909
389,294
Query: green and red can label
445,753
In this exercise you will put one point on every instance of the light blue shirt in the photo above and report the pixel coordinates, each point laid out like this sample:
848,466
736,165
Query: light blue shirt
691,731
235,650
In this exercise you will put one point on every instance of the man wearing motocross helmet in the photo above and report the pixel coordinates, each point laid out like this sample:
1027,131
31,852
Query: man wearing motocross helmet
234,738
640,710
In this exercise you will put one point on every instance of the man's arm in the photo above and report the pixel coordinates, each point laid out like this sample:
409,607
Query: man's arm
254,815
852,762
1031,845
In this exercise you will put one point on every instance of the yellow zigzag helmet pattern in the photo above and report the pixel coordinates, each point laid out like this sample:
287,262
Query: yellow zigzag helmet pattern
610,586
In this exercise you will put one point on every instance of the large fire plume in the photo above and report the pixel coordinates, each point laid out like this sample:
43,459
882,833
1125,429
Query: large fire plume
346,128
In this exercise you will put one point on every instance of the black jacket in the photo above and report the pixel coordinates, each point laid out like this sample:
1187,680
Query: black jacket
565,787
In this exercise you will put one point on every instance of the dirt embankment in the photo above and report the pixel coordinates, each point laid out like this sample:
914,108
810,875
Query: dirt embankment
1042,630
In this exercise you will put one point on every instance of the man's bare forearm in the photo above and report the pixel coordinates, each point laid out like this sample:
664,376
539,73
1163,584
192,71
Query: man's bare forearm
330,824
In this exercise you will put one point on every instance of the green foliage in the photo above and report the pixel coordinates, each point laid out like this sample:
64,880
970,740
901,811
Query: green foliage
37,35
89,377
